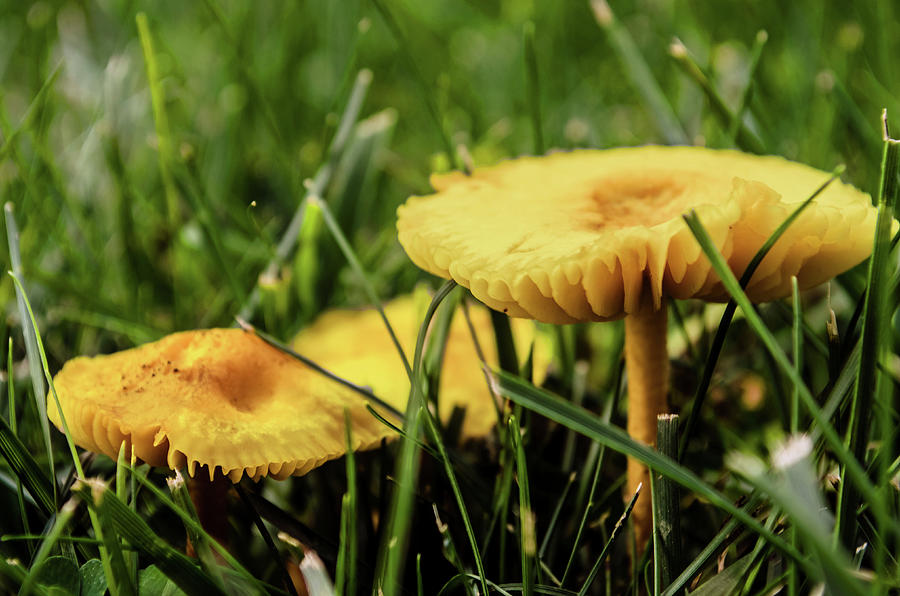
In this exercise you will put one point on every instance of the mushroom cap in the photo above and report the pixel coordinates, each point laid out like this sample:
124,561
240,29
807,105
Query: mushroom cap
223,398
586,235
355,345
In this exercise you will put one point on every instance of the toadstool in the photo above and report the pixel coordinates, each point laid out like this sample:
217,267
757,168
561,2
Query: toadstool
221,399
597,235
355,345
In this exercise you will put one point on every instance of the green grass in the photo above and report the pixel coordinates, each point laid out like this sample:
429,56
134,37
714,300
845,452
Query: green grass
169,166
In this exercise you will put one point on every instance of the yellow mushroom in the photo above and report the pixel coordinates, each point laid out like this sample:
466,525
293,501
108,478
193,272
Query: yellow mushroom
355,345
598,235
222,400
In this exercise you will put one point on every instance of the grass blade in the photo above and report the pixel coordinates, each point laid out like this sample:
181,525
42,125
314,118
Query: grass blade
307,262
448,549
807,334
727,581
161,122
737,123
392,553
579,381
534,88
433,433
527,536
506,347
196,541
49,541
666,508
34,109
719,339
794,489
639,74
10,385
502,493
746,139
119,577
874,339
505,589
420,588
363,391
554,518
233,43
345,576
352,259
315,575
200,204
852,466
31,348
131,527
33,176
76,461
426,87
26,469
436,347
316,188
342,570
267,538
595,461
351,194
712,546
559,410
834,351
612,538
189,522
797,337
123,482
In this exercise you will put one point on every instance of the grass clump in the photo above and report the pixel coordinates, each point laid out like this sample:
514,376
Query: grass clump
179,166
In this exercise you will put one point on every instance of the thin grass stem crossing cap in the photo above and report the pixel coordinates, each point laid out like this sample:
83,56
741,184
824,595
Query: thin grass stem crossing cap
221,398
355,345
584,235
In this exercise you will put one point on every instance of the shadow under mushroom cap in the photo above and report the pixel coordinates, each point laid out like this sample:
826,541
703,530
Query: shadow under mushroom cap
583,235
223,398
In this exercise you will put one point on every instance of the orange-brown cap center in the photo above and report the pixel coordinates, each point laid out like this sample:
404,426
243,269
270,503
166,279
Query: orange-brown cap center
642,198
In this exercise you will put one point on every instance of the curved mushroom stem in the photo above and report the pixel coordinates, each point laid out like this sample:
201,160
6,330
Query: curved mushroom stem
647,364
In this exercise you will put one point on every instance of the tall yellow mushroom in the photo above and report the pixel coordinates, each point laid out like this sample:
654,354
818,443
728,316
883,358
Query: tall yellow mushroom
598,236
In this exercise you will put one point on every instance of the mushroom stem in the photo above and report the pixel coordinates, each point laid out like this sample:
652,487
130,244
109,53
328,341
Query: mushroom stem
647,364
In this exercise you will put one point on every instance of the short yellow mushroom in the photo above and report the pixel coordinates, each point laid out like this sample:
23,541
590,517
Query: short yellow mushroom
222,400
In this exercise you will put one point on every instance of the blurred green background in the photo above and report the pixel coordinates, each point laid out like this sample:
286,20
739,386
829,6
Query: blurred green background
252,94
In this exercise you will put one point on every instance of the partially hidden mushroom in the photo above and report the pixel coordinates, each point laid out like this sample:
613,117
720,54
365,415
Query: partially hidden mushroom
221,402
355,345
598,235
